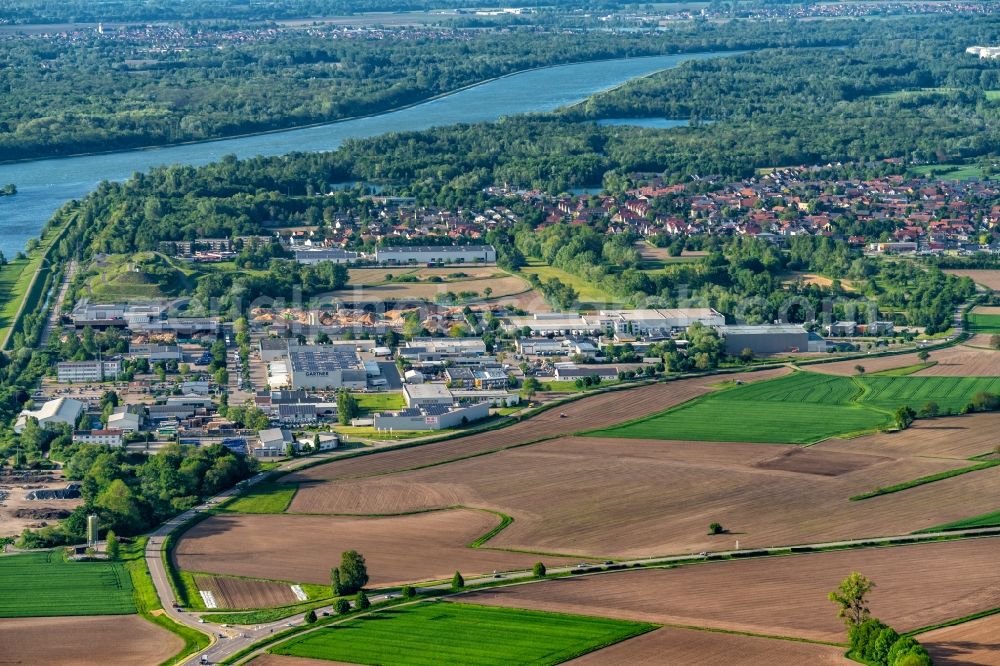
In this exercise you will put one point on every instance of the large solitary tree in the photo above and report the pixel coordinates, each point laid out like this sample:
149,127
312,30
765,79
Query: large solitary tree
352,575
852,597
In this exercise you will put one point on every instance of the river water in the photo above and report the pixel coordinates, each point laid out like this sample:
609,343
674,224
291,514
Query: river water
44,185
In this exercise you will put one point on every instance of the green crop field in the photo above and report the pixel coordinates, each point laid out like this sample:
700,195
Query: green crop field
984,323
950,393
44,584
802,408
431,633
985,520
263,498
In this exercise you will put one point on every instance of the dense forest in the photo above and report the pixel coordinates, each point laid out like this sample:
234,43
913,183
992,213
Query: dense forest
93,92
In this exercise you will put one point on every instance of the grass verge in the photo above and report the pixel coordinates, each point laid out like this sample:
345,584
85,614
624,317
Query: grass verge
147,602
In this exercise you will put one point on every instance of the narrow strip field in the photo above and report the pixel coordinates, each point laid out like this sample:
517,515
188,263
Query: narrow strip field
917,586
432,633
122,640
44,584
263,498
242,593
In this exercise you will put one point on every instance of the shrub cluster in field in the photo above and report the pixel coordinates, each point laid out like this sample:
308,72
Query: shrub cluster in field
881,645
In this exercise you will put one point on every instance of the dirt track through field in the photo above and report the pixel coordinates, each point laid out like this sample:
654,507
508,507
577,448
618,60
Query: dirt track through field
591,412
398,549
634,498
976,643
691,647
86,641
917,586
241,593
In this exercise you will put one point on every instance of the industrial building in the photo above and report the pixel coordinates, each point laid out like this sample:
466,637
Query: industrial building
325,367
642,322
427,395
316,255
436,254
431,417
53,412
660,321
76,372
109,437
766,339
438,349
155,353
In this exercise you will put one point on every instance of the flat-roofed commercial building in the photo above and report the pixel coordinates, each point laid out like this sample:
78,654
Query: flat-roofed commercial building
316,255
436,254
77,372
325,367
765,339
425,395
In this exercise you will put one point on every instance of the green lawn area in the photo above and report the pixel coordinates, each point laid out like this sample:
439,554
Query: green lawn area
985,520
263,498
953,171
802,408
45,584
380,402
984,323
431,633
992,95
569,386
588,292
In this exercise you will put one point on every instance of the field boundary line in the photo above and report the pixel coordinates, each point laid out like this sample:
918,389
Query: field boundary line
924,480
954,622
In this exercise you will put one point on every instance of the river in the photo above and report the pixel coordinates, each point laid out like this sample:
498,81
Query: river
44,185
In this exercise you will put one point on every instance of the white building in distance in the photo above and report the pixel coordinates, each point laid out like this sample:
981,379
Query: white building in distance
77,372
53,412
436,254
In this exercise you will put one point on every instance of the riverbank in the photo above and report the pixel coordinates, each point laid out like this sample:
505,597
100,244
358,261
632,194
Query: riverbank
383,112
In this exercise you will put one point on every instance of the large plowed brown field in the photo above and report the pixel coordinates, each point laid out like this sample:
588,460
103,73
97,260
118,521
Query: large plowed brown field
596,411
959,361
984,276
951,437
691,647
86,641
976,643
244,593
917,586
635,498
398,549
